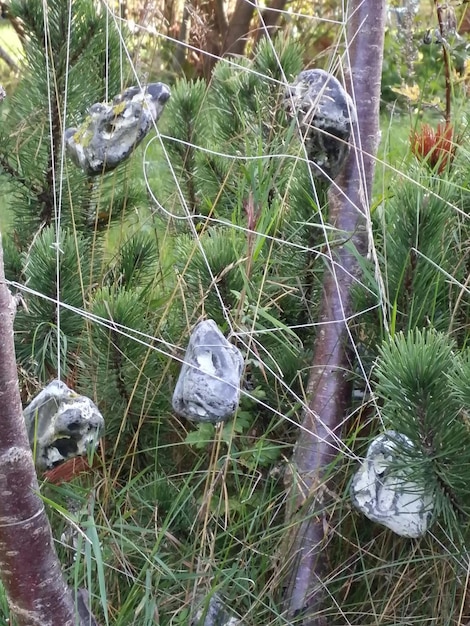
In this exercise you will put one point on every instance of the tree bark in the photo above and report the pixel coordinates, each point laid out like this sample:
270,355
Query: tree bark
328,387
270,18
238,28
29,568
228,36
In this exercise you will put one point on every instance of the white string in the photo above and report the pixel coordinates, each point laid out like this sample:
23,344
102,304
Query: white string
332,262
106,69
24,521
190,218
246,336
325,227
282,156
53,148
192,226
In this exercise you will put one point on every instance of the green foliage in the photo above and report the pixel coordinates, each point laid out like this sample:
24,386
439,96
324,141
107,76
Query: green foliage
4,608
12,259
228,144
252,452
240,113
414,68
67,68
221,275
135,263
419,378
173,512
171,496
36,324
128,369
189,129
421,249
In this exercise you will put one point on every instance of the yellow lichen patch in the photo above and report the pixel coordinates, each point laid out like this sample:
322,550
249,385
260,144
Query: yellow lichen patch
119,108
83,135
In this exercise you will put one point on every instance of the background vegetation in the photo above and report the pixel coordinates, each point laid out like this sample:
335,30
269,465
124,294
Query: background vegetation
217,216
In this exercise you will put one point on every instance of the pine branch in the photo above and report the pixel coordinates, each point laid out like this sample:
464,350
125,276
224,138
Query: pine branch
422,383
13,173
329,387
117,364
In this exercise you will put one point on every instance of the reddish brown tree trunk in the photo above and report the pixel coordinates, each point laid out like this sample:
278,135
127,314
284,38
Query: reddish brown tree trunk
29,568
328,387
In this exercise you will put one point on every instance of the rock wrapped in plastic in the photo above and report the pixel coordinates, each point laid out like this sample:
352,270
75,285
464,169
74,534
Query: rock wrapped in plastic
111,132
387,493
61,424
325,113
208,387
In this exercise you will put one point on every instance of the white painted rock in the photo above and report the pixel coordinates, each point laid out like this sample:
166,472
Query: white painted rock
390,496
208,387
111,132
325,113
61,424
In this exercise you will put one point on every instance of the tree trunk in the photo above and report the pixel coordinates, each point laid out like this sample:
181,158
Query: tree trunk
238,28
329,387
29,568
228,36
270,18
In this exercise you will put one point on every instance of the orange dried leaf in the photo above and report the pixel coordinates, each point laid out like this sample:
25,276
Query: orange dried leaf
436,148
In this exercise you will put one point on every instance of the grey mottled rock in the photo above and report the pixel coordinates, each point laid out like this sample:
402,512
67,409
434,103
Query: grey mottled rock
83,610
216,614
326,114
61,424
208,387
111,132
389,495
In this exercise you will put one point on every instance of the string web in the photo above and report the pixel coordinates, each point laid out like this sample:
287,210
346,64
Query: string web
230,459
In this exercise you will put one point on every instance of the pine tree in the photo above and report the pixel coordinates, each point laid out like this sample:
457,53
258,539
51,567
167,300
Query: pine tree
66,68
247,191
62,218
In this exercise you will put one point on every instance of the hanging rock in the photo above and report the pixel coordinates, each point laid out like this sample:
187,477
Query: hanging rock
325,114
388,494
61,424
208,387
216,614
83,610
111,132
